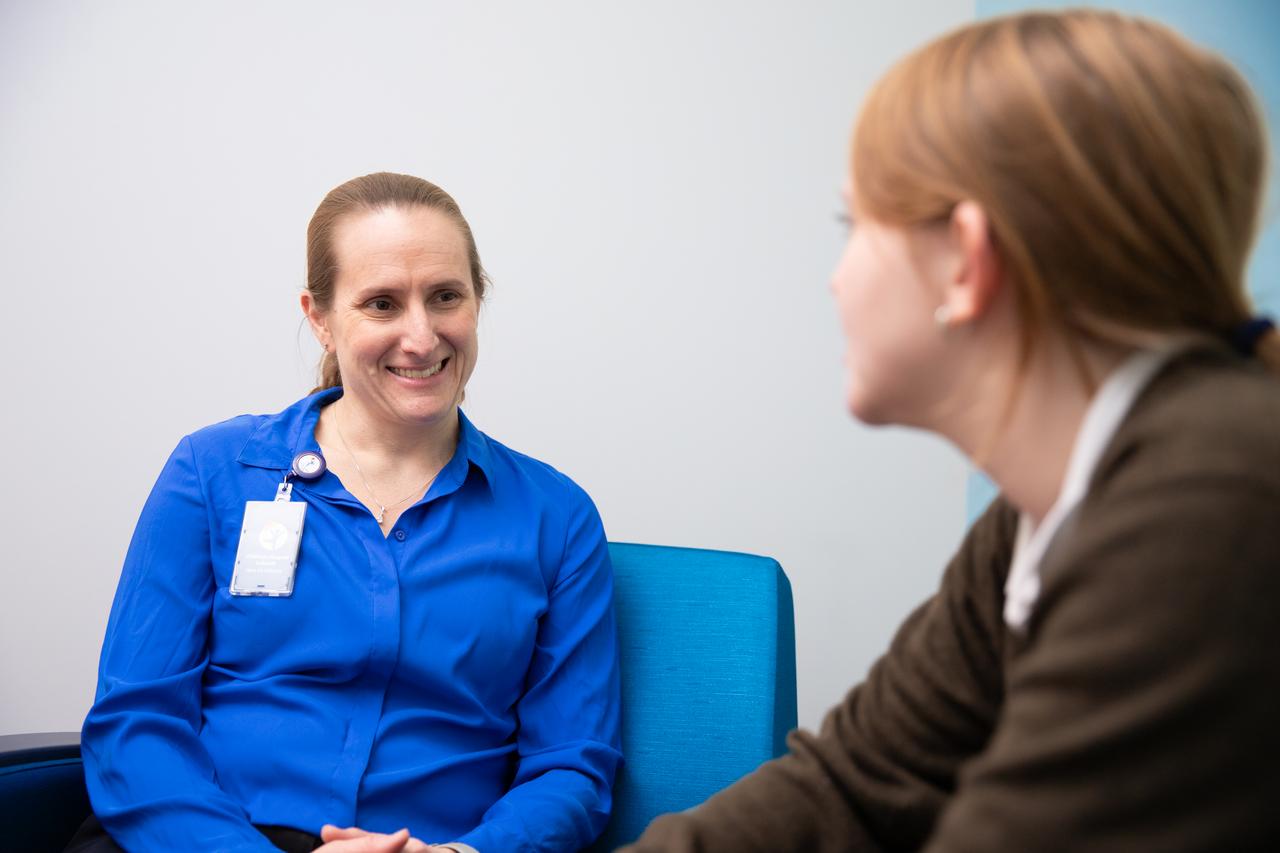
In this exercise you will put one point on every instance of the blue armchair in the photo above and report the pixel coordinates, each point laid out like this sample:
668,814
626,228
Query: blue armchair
707,640
708,690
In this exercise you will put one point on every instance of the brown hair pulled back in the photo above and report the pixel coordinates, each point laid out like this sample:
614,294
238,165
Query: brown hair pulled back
1120,166
367,194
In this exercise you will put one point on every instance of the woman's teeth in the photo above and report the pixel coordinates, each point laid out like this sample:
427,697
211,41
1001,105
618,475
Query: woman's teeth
418,374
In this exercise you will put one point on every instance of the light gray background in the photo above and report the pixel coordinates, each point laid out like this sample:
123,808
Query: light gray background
652,187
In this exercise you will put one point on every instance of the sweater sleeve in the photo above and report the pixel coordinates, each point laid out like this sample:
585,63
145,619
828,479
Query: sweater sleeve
884,762
150,780
1142,706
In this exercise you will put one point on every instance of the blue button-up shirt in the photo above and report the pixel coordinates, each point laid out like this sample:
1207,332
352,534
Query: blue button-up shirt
458,677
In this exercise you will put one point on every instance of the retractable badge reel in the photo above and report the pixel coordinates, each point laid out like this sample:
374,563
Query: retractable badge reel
267,556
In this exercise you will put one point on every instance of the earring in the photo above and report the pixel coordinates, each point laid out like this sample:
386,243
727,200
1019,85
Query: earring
942,316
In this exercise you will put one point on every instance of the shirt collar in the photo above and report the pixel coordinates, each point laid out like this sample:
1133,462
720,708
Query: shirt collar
473,453
1106,412
282,436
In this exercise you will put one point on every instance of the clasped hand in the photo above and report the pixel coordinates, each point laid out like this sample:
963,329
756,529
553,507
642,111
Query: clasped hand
356,840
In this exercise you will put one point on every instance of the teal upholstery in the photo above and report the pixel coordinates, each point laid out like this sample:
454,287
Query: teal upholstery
708,690
707,641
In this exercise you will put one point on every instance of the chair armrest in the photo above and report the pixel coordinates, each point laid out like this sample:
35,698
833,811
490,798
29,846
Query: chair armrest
42,793
38,747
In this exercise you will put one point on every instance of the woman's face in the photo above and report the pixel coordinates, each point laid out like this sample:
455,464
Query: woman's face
887,289
403,318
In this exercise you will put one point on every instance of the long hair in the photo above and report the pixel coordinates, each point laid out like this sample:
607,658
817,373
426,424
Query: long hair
1120,166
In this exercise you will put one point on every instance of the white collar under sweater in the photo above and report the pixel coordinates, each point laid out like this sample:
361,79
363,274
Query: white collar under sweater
1103,417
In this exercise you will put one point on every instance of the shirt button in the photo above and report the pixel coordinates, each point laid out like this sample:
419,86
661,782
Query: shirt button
399,534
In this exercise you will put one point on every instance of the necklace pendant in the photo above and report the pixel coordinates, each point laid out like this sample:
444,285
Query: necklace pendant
382,513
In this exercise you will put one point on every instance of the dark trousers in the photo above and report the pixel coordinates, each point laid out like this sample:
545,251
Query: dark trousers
92,838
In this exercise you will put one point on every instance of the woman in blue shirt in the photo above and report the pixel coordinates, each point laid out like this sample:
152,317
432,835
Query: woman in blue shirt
444,661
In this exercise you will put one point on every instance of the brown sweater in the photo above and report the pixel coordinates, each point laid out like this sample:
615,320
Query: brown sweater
1141,709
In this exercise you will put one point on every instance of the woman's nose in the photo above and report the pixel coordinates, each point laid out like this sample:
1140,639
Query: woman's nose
419,333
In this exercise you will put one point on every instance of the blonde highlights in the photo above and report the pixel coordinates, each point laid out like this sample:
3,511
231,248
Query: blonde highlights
1120,166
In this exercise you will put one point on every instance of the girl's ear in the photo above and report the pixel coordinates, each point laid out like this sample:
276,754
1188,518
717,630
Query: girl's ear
978,274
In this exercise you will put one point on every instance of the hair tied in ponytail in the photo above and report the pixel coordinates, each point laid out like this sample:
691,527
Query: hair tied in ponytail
1245,336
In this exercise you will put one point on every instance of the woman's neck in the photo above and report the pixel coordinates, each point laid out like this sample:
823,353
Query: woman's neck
379,446
1026,446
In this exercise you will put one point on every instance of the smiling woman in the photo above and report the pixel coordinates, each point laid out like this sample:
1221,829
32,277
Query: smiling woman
430,656
381,192
397,321
405,309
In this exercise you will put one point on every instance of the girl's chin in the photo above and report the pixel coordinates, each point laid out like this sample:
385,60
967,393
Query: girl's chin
863,408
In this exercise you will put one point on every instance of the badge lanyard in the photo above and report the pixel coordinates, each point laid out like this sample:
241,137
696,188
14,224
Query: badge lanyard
271,534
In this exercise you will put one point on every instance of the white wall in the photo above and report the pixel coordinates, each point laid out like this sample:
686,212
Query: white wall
652,187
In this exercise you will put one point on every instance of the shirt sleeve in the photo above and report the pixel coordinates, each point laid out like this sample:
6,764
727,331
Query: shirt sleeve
151,782
884,762
1142,712
568,742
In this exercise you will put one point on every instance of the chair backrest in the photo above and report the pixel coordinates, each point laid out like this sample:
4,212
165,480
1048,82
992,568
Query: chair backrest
707,644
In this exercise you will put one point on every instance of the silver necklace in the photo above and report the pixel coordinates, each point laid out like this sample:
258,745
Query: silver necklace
382,508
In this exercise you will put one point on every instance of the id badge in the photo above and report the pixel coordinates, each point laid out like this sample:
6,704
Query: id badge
268,553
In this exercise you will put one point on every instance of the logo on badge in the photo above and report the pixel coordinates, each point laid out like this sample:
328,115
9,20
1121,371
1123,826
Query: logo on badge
273,536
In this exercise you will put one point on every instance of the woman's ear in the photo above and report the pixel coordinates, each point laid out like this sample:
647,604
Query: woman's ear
316,319
978,274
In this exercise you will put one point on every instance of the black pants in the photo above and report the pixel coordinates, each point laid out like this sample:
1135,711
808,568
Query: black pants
92,838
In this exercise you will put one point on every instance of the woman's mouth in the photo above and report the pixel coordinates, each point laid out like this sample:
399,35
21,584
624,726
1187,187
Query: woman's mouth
419,373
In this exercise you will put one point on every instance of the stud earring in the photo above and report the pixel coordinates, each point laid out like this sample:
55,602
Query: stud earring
942,316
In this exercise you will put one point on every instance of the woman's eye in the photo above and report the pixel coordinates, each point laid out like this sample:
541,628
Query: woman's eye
448,296
380,304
